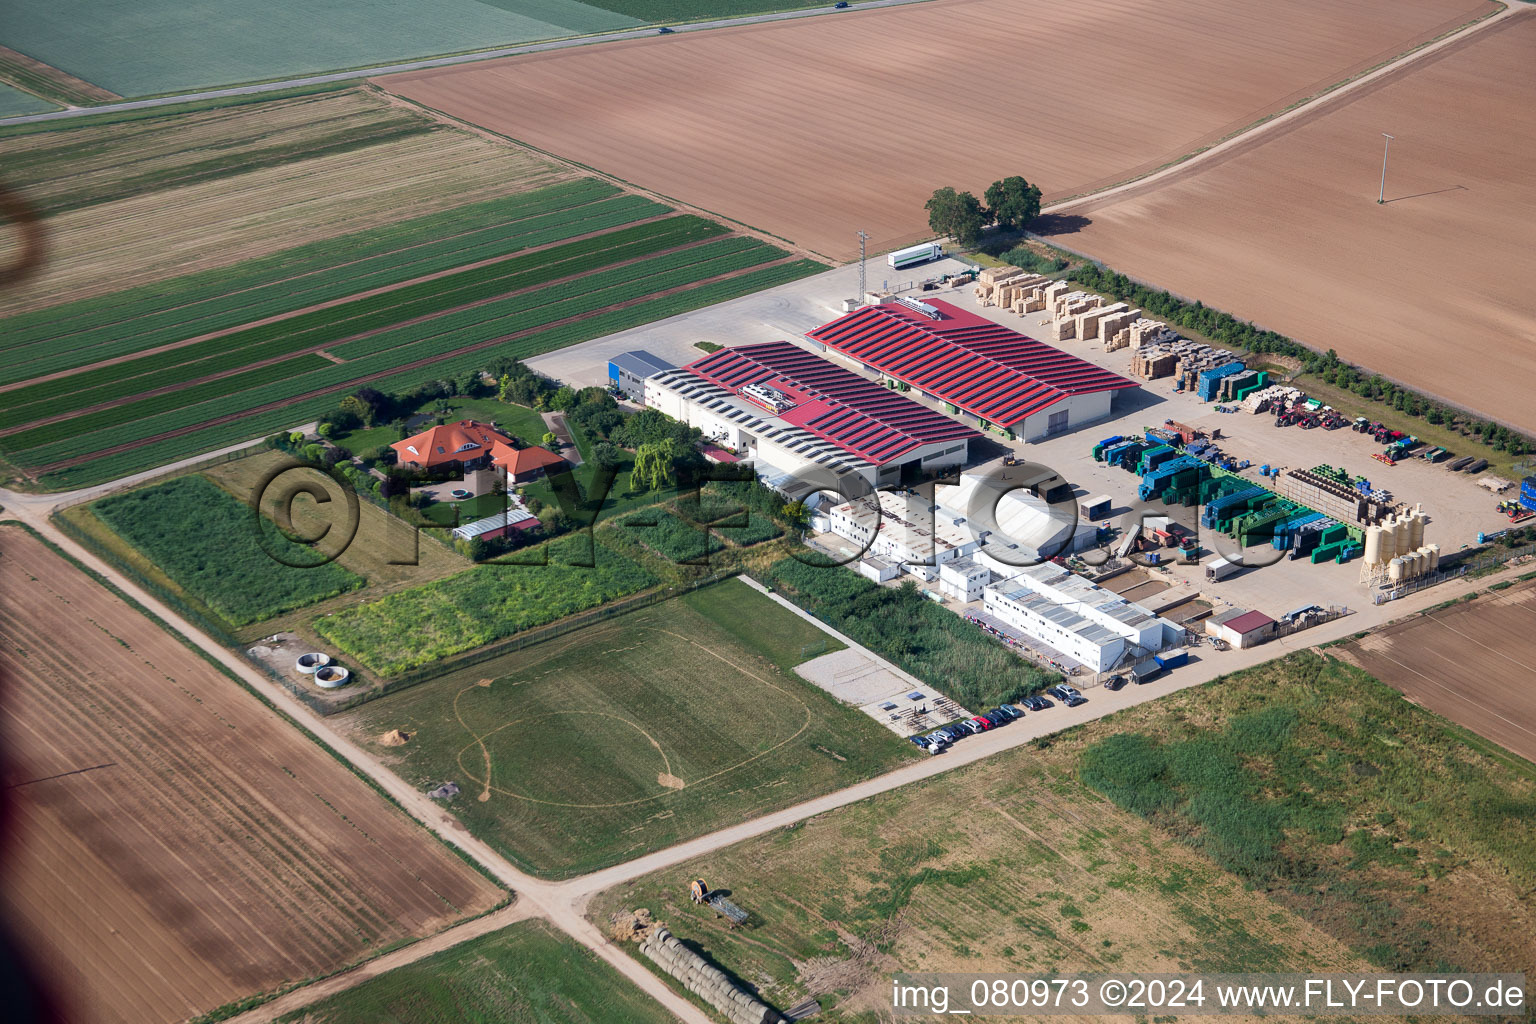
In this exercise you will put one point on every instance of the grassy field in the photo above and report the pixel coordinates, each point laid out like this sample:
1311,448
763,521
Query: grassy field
633,734
160,47
1298,816
525,974
168,194
14,101
179,433
213,549
422,625
211,357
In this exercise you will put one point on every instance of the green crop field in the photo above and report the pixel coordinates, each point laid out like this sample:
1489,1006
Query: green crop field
160,46
633,734
213,548
524,974
14,101
1297,816
490,602
582,324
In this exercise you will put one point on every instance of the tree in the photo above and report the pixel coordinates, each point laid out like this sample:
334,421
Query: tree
956,214
607,455
296,438
563,398
653,464
796,513
550,441
1014,202
326,431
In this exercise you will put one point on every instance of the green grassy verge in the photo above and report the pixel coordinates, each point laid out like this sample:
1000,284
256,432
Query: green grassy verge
213,547
524,974
928,641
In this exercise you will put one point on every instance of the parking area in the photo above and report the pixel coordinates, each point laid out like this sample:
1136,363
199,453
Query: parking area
897,702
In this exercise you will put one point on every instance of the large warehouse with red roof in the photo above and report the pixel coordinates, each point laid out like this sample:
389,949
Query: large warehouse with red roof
990,375
803,418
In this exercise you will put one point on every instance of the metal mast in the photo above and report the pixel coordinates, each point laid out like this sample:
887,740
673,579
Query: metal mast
862,239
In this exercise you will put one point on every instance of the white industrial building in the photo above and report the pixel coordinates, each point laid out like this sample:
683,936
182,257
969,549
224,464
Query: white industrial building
964,579
1082,620
900,529
1016,528
804,423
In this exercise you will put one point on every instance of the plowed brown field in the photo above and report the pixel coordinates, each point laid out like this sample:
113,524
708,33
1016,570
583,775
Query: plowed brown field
1433,288
1474,663
180,846
815,129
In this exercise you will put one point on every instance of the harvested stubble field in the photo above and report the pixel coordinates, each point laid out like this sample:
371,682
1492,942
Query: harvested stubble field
633,734
208,191
1432,288
1295,816
203,850
815,129
1474,663
526,974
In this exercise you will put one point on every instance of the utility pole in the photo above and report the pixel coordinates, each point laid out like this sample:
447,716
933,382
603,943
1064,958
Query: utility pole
1381,197
862,239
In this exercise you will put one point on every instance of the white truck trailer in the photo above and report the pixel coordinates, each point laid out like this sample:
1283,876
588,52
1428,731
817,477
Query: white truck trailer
904,258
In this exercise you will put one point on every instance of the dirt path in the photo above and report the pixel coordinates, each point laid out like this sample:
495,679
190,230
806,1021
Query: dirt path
416,951
34,472
532,250
320,349
1256,135
564,903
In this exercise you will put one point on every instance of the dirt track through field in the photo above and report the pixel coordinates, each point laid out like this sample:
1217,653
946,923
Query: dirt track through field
416,364
211,852
814,130
1473,663
1431,288
320,348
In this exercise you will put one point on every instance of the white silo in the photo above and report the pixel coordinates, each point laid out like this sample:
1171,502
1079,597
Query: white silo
1388,540
1416,528
1434,557
1373,545
1395,570
1404,533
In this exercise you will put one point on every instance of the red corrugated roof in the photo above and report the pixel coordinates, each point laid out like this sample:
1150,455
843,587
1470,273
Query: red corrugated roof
1248,622
979,366
858,415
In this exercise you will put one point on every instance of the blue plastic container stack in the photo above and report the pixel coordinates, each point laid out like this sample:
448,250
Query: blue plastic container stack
1213,510
1210,380
1528,493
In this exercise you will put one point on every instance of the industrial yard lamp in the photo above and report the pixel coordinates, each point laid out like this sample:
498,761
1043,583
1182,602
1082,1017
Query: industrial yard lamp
1381,197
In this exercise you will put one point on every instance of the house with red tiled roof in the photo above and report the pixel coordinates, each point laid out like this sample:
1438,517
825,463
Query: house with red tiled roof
466,444
524,464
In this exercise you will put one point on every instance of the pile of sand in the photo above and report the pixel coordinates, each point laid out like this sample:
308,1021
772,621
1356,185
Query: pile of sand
395,738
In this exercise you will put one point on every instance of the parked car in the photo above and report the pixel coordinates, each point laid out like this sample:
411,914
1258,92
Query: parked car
1037,703
1064,693
1074,699
918,741
1115,683
953,732
996,717
969,726
982,723
1012,712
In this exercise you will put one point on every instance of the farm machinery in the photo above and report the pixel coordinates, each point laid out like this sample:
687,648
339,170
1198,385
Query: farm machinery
702,894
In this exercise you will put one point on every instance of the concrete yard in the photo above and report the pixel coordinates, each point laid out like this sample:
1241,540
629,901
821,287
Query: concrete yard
1457,507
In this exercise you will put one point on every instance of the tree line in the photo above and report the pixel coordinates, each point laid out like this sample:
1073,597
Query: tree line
1010,203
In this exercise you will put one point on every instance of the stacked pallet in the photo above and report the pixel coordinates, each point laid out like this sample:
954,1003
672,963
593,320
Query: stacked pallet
1267,398
1150,364
988,280
1024,294
1328,493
